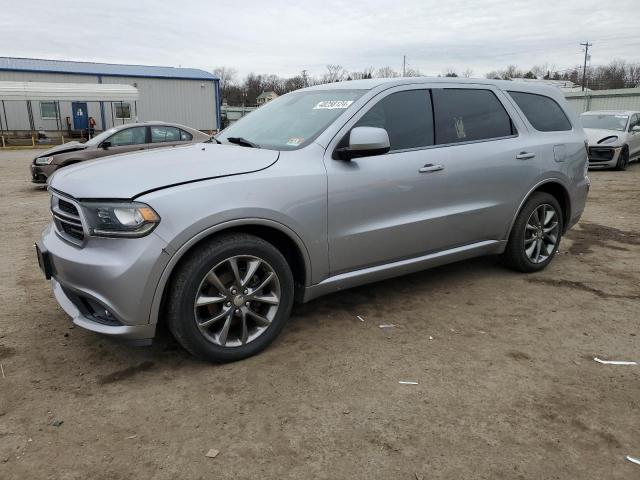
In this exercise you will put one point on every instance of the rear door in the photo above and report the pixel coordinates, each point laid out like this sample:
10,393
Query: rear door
166,136
491,161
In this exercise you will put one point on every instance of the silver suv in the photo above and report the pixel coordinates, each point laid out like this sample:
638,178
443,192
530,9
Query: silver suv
323,189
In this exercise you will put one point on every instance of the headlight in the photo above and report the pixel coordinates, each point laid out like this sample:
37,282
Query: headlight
44,160
121,219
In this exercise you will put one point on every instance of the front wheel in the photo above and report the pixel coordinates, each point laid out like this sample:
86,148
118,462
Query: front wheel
536,233
230,298
623,159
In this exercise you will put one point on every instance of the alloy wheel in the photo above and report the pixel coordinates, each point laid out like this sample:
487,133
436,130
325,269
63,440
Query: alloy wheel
541,233
237,300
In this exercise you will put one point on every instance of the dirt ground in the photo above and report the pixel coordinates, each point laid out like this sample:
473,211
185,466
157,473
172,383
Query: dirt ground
507,386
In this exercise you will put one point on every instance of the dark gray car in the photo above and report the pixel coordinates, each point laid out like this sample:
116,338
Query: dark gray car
320,190
121,139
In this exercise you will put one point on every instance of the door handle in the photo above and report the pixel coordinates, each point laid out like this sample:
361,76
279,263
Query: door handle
430,167
525,155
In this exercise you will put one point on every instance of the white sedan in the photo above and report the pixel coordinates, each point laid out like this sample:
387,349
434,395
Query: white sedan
614,137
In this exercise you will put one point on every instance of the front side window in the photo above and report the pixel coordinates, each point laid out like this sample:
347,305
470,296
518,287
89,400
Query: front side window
165,134
129,136
291,121
123,111
406,116
544,113
635,121
465,115
48,110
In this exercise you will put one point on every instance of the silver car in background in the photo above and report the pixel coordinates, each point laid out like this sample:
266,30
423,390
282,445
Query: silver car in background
614,137
320,190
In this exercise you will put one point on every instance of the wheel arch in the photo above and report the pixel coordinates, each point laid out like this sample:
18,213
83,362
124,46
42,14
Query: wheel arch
281,237
555,188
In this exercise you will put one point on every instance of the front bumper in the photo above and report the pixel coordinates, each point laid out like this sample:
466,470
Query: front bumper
108,285
40,173
72,304
604,157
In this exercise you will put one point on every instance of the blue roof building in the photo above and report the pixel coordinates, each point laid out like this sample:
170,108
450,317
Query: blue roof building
188,96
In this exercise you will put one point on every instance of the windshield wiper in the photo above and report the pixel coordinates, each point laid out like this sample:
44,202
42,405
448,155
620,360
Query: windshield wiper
242,141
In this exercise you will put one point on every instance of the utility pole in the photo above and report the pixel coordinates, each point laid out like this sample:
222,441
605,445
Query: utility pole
404,63
586,46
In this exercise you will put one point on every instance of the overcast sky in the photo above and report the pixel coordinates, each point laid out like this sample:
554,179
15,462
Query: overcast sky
285,37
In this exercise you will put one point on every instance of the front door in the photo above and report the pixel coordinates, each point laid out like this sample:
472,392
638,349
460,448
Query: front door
378,205
634,137
80,115
126,140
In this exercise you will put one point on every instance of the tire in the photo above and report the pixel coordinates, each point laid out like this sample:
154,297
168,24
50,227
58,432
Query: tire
623,159
520,240
252,321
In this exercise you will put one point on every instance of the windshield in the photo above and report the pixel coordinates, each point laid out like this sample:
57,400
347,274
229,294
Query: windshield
100,138
291,121
605,122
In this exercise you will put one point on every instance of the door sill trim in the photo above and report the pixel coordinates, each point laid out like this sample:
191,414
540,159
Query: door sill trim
401,267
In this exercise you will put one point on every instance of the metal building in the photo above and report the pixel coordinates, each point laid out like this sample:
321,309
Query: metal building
618,99
181,95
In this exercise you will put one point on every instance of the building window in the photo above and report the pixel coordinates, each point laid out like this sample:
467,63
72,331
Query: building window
48,110
123,111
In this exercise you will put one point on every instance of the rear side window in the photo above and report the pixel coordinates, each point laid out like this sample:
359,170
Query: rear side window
406,116
465,115
165,134
543,113
185,136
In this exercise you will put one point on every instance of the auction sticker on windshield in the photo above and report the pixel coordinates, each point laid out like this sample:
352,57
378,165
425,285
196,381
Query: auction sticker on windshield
332,104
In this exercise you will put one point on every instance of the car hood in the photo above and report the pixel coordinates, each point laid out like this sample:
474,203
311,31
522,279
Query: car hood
64,148
594,135
127,176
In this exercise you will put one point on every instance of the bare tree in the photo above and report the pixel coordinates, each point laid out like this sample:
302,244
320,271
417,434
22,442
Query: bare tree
412,72
386,72
467,73
335,73
449,72
227,76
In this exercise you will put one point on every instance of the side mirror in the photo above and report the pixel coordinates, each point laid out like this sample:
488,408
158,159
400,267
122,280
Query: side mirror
635,128
365,142
105,145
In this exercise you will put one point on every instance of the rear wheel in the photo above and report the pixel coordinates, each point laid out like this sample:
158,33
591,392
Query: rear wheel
230,298
623,159
536,233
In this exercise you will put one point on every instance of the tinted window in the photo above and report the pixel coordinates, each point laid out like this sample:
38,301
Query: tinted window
635,121
543,113
406,116
165,134
185,136
464,115
130,136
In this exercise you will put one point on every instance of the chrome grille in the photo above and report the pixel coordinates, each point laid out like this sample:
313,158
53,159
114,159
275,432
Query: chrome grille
67,219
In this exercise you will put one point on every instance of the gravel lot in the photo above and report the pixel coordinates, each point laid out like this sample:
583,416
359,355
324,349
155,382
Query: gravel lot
507,386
